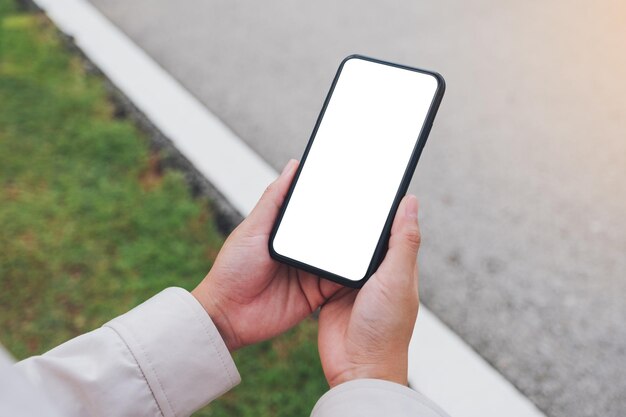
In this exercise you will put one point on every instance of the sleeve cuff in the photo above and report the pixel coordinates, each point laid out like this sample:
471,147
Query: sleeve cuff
374,397
179,350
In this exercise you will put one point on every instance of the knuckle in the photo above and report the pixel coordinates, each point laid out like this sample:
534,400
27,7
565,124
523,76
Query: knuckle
273,195
269,190
413,237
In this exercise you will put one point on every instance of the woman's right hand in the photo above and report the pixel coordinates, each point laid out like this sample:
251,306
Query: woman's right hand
365,333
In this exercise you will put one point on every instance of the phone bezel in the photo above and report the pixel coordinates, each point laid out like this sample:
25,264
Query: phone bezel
381,247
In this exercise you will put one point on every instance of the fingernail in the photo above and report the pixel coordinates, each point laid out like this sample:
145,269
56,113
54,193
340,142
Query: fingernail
411,207
288,167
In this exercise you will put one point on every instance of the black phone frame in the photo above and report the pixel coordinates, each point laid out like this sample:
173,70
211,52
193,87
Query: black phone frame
383,241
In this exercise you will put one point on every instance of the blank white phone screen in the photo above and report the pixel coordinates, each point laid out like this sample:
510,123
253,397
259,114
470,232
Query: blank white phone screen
354,167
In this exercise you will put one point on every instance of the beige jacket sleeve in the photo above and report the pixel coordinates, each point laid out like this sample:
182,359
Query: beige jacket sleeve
163,358
374,398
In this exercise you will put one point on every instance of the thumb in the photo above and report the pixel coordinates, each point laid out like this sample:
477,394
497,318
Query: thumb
401,258
262,217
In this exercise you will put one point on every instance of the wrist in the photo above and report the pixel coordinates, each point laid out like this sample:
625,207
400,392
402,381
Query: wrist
218,316
394,372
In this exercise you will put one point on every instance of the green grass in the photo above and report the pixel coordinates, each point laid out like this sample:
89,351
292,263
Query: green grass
90,226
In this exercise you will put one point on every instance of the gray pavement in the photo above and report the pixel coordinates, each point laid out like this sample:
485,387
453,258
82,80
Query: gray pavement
523,182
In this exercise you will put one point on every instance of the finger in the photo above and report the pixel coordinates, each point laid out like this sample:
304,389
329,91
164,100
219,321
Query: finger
262,217
401,258
329,288
316,290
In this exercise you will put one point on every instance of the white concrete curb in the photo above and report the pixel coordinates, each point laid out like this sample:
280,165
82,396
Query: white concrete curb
441,365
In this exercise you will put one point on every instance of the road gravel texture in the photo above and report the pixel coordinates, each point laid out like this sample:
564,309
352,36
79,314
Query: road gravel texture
522,184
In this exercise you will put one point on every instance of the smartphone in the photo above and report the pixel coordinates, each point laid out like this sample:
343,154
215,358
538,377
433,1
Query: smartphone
336,218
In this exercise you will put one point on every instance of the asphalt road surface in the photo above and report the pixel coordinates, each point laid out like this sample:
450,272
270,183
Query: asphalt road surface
522,184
